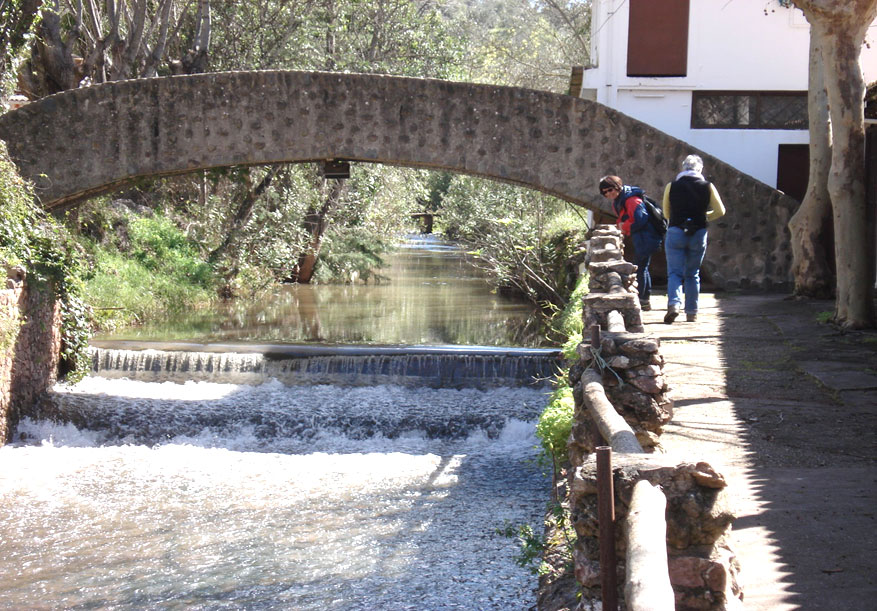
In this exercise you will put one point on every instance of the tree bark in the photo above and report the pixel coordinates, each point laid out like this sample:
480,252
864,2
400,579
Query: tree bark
109,51
811,226
840,27
315,224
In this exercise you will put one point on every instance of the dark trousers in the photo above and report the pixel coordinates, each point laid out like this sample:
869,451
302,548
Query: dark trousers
645,244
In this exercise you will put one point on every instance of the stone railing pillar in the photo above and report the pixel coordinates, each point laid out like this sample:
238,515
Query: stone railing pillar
628,367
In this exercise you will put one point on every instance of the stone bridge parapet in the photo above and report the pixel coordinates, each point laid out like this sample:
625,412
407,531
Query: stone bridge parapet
93,140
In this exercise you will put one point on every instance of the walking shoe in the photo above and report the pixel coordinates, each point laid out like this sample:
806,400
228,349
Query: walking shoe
645,306
670,316
691,316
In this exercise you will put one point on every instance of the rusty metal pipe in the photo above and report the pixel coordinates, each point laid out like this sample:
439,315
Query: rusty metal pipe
606,518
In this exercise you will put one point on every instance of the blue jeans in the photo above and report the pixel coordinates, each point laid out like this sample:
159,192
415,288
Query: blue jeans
684,256
645,243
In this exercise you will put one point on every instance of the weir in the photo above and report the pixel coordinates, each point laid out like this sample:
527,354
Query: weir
479,367
276,467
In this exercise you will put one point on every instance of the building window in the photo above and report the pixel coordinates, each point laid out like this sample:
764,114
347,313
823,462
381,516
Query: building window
749,110
657,38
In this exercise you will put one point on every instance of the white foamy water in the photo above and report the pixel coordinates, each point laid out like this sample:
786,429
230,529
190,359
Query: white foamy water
226,503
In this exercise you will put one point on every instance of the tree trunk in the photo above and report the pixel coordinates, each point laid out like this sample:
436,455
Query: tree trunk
243,214
840,26
846,183
315,224
811,225
51,67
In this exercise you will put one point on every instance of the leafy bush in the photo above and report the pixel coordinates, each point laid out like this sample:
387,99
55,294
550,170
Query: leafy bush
157,270
521,238
555,423
568,322
159,246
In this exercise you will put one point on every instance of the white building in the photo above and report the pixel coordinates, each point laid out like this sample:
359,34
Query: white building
728,76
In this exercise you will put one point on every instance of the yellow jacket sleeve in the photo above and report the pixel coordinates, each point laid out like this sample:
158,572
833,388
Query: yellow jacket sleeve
716,209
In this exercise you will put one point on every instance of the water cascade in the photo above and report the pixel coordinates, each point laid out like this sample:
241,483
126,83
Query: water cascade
432,366
278,476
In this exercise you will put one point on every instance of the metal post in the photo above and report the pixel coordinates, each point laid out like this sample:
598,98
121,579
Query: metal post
606,518
595,336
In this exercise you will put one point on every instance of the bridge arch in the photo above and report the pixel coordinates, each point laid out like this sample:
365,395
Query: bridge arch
93,140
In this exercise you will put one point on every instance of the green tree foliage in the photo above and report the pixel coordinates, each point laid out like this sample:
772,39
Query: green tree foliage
143,265
522,238
523,43
17,18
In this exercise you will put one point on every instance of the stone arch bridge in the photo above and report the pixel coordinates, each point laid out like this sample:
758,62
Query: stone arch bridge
93,140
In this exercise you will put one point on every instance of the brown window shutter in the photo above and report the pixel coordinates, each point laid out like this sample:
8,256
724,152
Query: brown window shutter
657,43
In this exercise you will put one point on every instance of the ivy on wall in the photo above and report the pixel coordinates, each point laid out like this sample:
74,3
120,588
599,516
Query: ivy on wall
31,239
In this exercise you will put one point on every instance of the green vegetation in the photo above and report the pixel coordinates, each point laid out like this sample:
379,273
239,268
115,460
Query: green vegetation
825,317
51,260
555,423
553,430
142,267
523,239
532,546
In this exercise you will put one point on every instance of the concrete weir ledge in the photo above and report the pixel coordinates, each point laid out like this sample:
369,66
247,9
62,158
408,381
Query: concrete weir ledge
305,350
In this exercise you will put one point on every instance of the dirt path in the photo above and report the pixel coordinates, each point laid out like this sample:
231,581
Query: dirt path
786,407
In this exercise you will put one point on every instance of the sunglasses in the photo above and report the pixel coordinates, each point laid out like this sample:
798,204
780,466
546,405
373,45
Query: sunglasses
607,191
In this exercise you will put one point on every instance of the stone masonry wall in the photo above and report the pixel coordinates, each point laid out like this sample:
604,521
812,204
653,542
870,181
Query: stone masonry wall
96,139
30,341
702,567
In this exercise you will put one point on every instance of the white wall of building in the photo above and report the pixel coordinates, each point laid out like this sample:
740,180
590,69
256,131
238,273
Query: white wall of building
747,45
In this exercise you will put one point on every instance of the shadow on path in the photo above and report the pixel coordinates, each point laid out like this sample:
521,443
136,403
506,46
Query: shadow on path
787,407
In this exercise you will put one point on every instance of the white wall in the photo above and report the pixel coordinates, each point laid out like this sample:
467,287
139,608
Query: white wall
733,45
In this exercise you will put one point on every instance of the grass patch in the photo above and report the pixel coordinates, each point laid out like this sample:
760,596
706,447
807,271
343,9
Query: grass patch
825,317
160,272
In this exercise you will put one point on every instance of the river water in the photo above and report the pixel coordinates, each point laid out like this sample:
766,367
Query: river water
269,495
431,295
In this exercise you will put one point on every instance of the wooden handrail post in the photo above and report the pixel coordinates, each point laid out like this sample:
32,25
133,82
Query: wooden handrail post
606,518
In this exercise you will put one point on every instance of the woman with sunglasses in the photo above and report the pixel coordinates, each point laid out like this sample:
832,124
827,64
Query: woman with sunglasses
633,220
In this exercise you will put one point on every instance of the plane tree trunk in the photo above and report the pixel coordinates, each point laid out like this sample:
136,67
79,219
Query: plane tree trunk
839,27
811,225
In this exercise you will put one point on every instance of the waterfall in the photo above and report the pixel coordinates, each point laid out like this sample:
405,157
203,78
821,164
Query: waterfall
429,366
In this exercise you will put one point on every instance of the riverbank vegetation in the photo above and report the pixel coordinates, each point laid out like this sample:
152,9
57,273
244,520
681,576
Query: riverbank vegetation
33,241
549,553
555,423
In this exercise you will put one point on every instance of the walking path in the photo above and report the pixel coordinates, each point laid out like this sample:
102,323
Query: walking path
786,408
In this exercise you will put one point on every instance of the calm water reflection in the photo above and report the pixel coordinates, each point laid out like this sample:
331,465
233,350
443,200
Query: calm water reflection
432,296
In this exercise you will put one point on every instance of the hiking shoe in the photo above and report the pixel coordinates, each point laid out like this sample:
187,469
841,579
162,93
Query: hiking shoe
691,317
645,306
670,316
